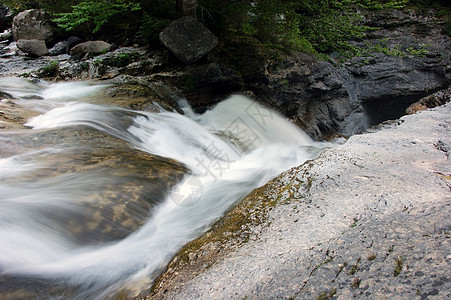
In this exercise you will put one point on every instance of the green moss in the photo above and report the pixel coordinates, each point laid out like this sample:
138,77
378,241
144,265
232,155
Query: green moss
398,265
327,294
354,268
234,228
51,70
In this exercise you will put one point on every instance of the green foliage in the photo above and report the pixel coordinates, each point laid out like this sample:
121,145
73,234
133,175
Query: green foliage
157,15
95,14
151,27
121,59
51,70
398,265
48,5
314,26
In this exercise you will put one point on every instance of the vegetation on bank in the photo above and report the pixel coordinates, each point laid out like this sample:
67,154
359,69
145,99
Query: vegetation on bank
312,26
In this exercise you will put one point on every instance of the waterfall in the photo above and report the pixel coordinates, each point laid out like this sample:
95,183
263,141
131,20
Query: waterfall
225,153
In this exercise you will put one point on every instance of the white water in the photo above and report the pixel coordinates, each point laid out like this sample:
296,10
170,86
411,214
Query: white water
230,150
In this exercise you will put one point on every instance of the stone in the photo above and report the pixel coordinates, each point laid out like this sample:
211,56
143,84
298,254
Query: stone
59,48
71,42
32,24
436,99
6,35
35,48
188,39
94,47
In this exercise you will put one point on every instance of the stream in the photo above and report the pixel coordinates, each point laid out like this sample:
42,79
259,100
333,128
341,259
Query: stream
95,197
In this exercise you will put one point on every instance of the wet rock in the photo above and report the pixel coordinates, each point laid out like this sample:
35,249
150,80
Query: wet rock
13,116
94,47
32,24
4,95
34,48
146,94
188,39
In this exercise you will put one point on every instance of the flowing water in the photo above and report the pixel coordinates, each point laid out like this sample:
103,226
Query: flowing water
94,197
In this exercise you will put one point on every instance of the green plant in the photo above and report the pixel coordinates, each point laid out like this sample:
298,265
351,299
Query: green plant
94,14
121,59
398,265
50,70
327,294
151,26
418,51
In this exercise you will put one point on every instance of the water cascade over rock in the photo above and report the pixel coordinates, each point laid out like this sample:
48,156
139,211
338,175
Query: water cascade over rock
95,196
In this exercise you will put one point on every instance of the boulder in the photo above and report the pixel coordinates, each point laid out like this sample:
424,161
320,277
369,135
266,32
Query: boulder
6,35
94,47
188,39
35,48
59,48
32,24
71,42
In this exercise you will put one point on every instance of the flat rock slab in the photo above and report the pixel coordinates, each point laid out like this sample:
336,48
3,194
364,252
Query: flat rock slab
188,39
368,219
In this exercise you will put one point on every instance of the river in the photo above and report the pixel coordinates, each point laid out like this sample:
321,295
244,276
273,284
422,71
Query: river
95,197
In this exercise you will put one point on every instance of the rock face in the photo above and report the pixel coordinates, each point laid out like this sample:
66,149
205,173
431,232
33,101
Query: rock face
436,99
95,47
32,24
409,59
35,48
5,17
367,219
188,39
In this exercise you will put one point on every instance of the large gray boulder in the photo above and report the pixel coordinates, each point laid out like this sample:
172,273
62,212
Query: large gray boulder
94,47
32,24
35,48
188,39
